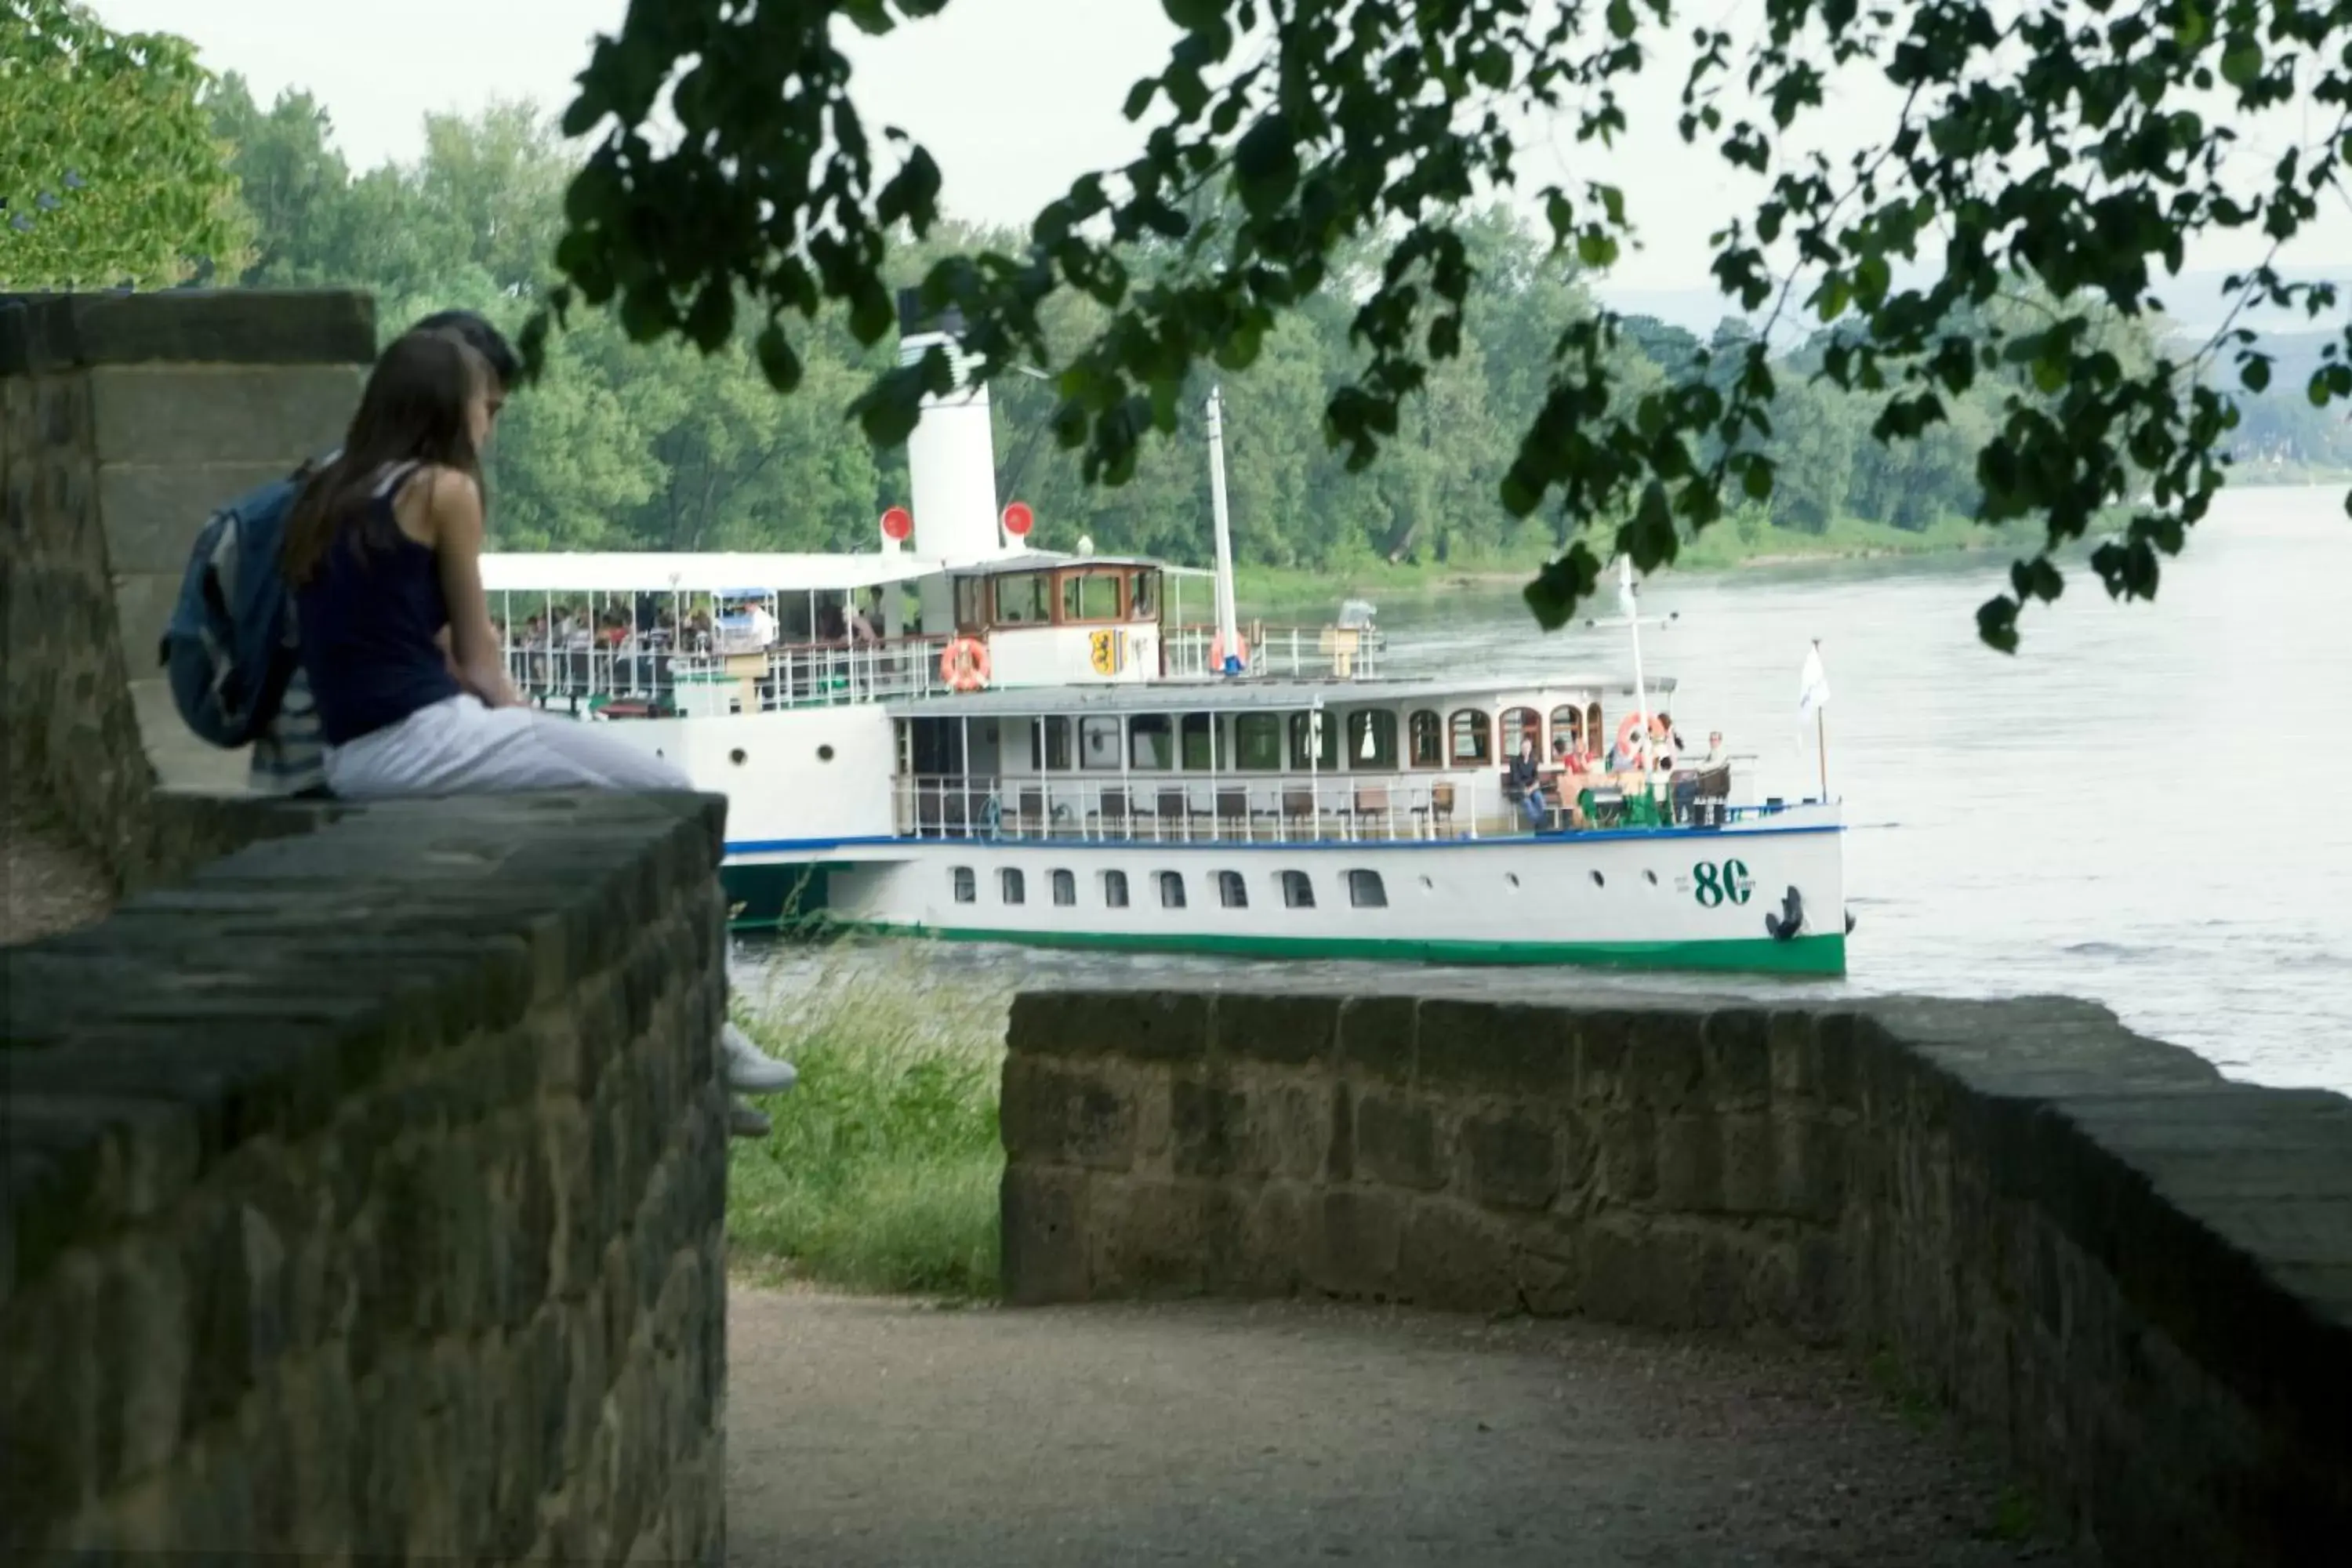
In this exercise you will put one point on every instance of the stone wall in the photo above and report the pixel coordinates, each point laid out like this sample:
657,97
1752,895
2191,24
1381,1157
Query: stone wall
124,420
364,1196
2135,1273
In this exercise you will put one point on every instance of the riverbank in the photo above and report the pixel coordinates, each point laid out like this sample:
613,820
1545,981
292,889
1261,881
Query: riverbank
1735,544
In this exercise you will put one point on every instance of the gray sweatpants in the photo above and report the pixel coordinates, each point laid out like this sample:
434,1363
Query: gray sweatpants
459,746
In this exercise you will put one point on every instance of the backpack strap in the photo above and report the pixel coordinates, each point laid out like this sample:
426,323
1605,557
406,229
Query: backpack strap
394,475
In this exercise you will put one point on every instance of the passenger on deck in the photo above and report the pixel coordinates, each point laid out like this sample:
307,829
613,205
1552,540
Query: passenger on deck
383,556
1525,778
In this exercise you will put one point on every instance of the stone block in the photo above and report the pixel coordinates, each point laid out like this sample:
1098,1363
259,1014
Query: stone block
1455,1257
1517,1049
1377,1036
1295,1121
154,512
1288,1030
1626,1140
158,414
1690,1164
1044,1251
1355,1247
1062,1117
1662,1275
1148,1237
1397,1144
1736,1047
1663,1063
174,757
1258,1237
199,326
1810,1167
1215,1131
1145,1026
1513,1160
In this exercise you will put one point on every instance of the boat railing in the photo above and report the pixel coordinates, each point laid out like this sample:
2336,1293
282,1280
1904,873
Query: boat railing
781,677
1299,652
1267,808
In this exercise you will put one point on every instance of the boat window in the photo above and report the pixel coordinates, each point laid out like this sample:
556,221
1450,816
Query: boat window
1049,743
1099,743
1172,890
969,612
1426,731
1114,889
1371,738
1257,741
1025,599
1231,890
965,893
1065,889
1595,733
1518,724
1365,891
1568,724
1090,596
1198,735
1145,604
1297,891
1314,740
1152,742
1012,887
1472,736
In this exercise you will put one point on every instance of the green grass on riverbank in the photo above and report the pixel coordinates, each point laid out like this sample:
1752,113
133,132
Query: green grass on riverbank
1736,542
882,1171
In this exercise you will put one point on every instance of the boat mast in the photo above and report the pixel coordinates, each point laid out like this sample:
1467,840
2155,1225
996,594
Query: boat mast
1228,625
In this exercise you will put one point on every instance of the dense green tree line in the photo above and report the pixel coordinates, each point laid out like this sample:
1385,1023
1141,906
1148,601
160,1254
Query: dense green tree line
629,447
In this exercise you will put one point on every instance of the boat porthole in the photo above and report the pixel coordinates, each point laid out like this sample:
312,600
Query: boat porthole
1599,880
736,756
1651,877
1512,878
825,754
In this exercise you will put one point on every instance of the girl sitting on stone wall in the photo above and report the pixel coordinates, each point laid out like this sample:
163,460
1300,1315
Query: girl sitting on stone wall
383,556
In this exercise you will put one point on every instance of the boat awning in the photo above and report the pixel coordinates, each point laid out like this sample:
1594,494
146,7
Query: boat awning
1047,560
1247,695
664,571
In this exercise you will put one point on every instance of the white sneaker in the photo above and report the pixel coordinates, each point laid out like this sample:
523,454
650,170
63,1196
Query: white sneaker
749,1069
744,1120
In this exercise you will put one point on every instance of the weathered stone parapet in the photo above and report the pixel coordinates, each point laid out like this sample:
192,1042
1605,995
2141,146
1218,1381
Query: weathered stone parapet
365,1193
2136,1273
125,419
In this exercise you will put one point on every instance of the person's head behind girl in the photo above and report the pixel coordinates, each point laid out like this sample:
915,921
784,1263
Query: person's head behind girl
428,401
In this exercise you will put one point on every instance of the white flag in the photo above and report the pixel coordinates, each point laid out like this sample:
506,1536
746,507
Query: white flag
1625,585
1815,694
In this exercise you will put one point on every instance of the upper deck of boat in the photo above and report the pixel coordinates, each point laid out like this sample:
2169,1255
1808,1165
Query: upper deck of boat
1255,693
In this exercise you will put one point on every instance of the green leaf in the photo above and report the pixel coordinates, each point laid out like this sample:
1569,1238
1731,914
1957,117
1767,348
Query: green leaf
1266,165
778,362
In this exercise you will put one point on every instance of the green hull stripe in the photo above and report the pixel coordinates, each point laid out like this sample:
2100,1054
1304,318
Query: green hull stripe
1805,955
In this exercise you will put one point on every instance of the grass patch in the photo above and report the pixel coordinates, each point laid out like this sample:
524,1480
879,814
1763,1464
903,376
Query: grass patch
882,1171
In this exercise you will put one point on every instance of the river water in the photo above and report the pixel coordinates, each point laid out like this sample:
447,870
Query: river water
2138,807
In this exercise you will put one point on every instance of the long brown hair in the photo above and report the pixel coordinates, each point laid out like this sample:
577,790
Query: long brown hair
413,410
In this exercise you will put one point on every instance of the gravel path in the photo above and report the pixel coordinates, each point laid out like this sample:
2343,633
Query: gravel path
871,1432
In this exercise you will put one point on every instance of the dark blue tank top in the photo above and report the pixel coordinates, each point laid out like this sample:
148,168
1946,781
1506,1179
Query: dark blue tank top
368,617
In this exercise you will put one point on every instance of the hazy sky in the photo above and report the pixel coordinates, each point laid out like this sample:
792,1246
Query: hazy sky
1014,98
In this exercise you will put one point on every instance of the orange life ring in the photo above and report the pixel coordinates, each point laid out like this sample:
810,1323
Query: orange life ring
1629,735
963,664
1217,652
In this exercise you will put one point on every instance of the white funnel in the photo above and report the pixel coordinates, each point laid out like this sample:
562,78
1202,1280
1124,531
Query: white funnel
951,456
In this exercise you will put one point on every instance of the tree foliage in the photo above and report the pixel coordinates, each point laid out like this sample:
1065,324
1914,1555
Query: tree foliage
108,171
1351,142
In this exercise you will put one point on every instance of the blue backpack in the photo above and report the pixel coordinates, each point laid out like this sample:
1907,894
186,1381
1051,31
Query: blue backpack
229,648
